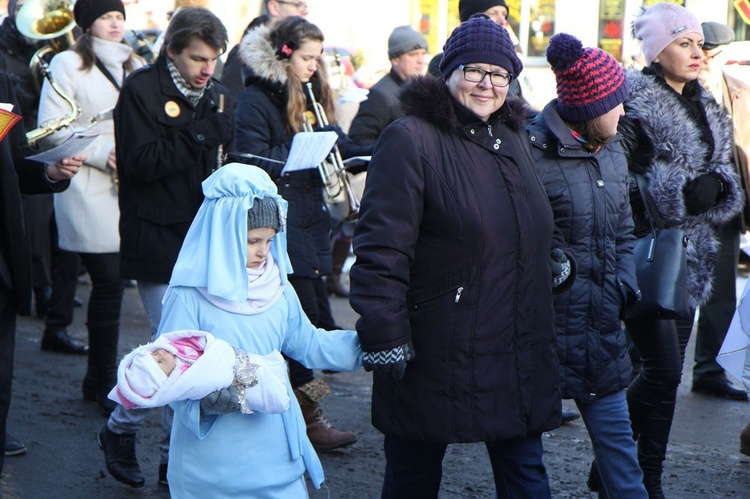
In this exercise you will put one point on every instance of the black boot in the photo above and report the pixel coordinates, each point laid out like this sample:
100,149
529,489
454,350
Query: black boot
652,447
103,356
59,341
119,455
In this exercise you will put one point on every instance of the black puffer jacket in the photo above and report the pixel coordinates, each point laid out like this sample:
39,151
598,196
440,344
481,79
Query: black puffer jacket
589,195
453,251
261,130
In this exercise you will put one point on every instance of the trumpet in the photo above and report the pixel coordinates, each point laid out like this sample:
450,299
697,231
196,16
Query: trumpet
333,173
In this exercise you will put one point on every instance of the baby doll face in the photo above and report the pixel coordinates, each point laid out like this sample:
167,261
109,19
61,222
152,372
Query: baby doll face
164,359
258,246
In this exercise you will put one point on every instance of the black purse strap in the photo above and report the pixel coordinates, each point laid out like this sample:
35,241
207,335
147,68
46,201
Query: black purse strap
652,212
106,73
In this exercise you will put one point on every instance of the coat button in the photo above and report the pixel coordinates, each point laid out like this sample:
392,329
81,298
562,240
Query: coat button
200,137
498,141
600,183
544,146
472,131
533,138
496,146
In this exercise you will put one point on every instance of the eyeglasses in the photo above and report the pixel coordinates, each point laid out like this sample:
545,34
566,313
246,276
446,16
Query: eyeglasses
477,75
300,5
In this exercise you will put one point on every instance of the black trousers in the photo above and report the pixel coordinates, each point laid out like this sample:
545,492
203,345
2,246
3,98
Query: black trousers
66,267
652,394
314,300
7,347
716,315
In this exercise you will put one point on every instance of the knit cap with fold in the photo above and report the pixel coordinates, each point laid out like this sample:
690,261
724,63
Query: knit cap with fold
404,39
264,213
88,11
661,24
467,8
590,82
480,41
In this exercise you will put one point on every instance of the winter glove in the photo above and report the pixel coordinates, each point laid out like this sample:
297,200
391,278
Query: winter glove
217,129
702,192
560,267
389,362
221,401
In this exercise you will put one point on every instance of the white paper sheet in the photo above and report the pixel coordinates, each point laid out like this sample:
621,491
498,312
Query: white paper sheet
70,147
309,149
734,351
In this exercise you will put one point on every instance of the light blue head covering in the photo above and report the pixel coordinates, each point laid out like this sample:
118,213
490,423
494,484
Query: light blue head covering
214,253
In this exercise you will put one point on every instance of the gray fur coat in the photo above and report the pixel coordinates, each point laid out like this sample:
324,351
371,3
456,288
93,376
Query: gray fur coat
667,131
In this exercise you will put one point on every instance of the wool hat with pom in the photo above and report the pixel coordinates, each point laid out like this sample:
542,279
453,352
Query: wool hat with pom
480,41
660,24
590,82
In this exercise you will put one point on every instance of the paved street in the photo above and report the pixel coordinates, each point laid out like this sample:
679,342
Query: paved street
64,462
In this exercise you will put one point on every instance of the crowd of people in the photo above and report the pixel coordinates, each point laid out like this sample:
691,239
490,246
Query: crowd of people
494,245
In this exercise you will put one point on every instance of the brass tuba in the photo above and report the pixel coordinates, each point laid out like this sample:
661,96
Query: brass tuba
50,20
336,181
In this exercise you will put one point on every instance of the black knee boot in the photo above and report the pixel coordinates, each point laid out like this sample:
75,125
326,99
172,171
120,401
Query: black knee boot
103,355
652,447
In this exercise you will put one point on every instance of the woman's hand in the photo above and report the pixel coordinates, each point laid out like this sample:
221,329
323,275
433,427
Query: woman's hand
112,160
65,169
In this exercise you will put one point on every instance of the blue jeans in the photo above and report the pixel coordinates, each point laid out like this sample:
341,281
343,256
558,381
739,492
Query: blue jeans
130,421
608,424
414,469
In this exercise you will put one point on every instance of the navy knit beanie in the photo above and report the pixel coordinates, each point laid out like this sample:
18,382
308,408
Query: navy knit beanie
590,82
480,41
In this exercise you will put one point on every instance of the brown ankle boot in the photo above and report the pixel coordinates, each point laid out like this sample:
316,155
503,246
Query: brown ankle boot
320,432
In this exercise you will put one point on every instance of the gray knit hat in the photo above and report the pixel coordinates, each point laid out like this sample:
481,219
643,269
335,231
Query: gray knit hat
263,213
404,39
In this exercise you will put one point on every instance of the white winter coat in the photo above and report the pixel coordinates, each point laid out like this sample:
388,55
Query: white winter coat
87,213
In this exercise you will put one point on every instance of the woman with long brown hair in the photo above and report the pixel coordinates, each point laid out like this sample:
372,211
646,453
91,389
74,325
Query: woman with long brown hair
283,60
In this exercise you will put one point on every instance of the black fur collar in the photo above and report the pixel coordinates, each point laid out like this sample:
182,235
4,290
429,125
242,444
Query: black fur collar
428,97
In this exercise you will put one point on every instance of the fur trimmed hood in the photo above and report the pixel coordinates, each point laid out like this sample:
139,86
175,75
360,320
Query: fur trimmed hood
676,160
259,55
428,97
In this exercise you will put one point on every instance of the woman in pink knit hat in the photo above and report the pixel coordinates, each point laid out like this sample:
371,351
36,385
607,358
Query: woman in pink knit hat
679,139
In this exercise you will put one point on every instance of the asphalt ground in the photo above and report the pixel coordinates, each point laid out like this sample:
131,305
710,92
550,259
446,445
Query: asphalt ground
63,460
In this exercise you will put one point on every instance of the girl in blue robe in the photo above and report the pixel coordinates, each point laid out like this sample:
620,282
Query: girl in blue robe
232,281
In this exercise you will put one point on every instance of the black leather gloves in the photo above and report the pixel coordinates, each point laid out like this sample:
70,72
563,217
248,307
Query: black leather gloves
217,129
390,362
702,193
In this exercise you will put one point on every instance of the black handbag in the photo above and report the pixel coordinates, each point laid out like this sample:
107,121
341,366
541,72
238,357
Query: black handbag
661,267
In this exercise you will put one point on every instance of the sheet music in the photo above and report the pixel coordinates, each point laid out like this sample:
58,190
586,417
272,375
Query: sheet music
70,147
309,149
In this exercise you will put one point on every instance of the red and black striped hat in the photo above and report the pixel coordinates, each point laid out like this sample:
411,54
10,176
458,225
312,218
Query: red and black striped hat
590,82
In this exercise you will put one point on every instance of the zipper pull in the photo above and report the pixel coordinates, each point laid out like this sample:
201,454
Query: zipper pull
458,294
489,130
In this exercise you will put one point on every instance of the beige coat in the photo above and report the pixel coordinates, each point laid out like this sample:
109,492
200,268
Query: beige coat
87,214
